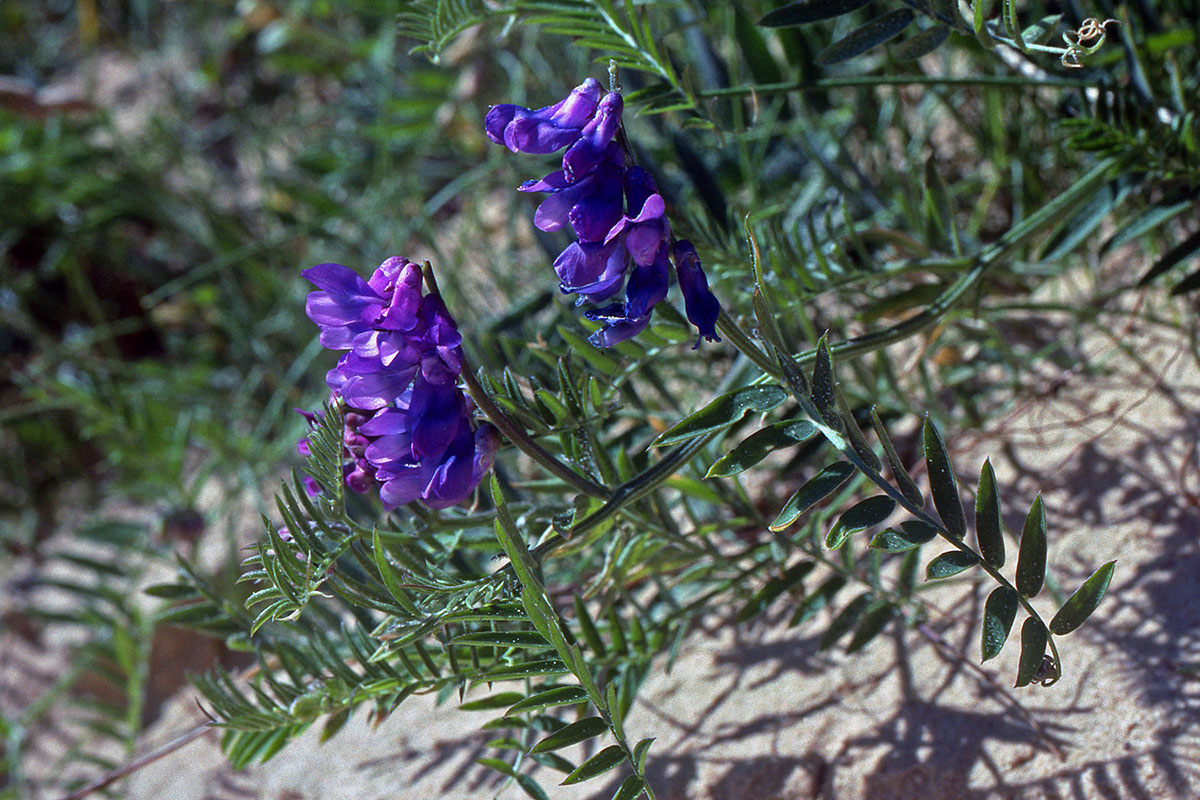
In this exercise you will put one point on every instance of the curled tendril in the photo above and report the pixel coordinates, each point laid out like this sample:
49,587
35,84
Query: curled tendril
1086,40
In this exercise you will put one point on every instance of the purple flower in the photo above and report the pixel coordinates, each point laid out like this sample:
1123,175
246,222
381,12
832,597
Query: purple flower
546,129
592,206
702,307
617,325
444,480
647,228
595,271
622,235
590,148
408,425
647,285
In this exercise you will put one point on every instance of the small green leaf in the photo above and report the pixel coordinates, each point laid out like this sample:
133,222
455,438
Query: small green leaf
527,783
630,788
587,628
1033,649
806,11
598,764
511,539
1031,558
891,540
501,639
1080,605
498,764
980,11
938,206
865,37
581,347
1177,254
904,482
558,696
846,619
816,489
530,669
170,591
912,533
809,606
1039,30
920,44
855,434
639,753
504,743
988,527
942,483
576,732
390,578
1153,217
859,517
949,564
998,614
498,700
758,445
1012,24
872,624
723,412
554,761
822,380
334,724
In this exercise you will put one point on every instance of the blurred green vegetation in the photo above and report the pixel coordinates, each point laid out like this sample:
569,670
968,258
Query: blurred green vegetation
166,169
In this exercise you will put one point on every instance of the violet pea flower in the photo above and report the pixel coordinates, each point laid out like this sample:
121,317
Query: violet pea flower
547,129
589,149
702,307
617,325
595,271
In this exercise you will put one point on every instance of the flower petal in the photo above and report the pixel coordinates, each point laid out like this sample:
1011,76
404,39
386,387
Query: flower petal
702,306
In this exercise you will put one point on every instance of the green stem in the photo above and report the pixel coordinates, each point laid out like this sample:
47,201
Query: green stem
895,80
526,443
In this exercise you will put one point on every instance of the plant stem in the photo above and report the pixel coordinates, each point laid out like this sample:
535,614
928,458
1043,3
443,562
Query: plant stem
526,443
896,80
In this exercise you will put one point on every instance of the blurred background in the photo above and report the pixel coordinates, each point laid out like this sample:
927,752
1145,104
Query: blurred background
166,170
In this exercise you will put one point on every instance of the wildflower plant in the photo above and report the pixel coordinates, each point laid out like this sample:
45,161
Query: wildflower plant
561,495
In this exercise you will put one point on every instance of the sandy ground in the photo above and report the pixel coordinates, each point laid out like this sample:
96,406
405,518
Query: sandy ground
760,714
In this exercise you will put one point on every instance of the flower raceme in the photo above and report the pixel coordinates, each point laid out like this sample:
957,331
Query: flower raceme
408,424
622,236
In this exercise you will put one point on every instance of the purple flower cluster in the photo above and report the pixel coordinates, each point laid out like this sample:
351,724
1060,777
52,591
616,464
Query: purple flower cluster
408,425
622,236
